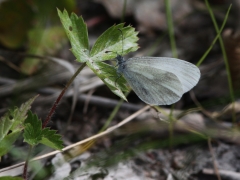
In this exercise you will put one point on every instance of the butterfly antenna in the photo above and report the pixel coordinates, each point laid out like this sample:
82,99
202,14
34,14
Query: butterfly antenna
122,39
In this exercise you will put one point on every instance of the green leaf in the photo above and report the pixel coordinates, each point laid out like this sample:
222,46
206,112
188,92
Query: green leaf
51,139
76,30
107,46
33,129
7,141
114,41
109,76
20,114
11,125
5,125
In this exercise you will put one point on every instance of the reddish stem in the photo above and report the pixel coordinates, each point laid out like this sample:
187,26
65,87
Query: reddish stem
49,116
25,174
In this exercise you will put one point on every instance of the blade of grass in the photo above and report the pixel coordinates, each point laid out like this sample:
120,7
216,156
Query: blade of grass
174,54
170,28
224,58
207,52
215,39
114,112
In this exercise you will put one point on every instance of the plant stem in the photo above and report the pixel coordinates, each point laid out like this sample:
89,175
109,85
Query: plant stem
174,54
49,116
26,163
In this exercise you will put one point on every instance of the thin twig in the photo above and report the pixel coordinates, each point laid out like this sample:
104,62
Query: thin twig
213,158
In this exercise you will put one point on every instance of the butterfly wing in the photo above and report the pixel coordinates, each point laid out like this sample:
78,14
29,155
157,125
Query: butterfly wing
187,73
152,85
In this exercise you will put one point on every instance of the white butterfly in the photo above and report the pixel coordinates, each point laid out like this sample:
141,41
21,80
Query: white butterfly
158,80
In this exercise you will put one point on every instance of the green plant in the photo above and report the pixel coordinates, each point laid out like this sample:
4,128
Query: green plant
107,46
19,120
